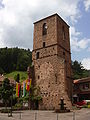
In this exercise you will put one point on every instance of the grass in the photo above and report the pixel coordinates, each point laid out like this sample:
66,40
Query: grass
23,75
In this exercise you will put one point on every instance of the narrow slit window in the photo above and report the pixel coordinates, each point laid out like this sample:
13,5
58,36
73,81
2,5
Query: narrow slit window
37,55
64,53
43,44
56,78
38,77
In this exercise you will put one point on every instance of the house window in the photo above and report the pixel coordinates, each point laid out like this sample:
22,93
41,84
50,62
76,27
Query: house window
37,55
44,29
43,44
63,33
86,86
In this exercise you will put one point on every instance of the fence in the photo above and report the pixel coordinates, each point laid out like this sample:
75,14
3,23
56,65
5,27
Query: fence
42,115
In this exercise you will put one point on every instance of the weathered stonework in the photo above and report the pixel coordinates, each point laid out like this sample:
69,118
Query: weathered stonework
52,62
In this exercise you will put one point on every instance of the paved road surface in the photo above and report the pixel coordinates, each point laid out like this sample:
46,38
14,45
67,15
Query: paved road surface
83,114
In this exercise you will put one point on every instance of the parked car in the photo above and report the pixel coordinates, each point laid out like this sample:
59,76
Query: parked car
81,103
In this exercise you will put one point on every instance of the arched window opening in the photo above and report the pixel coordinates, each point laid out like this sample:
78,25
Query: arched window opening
44,29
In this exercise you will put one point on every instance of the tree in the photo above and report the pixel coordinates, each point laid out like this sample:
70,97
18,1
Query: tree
78,70
12,59
24,60
1,71
33,98
6,91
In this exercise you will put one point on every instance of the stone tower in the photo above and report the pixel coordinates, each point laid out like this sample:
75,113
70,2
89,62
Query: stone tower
52,61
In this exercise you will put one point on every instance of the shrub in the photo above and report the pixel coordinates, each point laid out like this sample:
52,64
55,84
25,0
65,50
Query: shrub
88,103
5,110
89,106
85,106
18,106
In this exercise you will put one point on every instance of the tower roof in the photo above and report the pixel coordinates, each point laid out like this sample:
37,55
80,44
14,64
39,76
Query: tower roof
49,17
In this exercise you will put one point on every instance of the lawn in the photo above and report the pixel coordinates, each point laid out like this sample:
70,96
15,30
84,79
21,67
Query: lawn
23,75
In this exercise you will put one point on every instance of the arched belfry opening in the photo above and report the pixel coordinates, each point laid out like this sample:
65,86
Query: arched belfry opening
44,29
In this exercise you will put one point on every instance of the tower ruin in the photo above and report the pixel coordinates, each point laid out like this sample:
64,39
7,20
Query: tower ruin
52,61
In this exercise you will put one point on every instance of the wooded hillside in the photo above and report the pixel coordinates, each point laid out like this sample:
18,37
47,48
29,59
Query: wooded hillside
12,59
16,59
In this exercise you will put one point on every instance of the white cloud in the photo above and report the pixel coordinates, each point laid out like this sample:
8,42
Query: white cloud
17,18
73,32
87,4
1,37
86,63
1,5
83,44
74,45
88,49
78,44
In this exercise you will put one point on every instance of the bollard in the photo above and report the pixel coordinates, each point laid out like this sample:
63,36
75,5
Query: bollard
57,116
35,116
73,115
20,114
10,113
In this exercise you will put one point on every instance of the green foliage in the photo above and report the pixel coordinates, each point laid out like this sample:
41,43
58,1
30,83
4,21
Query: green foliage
5,110
88,103
18,105
35,94
6,91
12,59
75,108
26,98
79,71
88,106
1,71
85,106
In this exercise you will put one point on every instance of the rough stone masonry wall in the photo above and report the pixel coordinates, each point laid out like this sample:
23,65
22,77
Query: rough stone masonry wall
50,38
50,75
64,51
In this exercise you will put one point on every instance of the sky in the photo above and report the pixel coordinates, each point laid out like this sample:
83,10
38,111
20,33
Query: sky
17,18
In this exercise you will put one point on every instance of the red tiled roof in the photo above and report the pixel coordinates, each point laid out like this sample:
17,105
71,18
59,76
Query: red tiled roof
83,80
1,78
12,81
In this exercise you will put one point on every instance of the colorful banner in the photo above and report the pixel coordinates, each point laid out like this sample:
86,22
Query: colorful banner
28,84
16,89
25,86
24,89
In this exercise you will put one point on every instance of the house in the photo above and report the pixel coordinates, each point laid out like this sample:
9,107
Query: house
1,79
12,81
81,89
